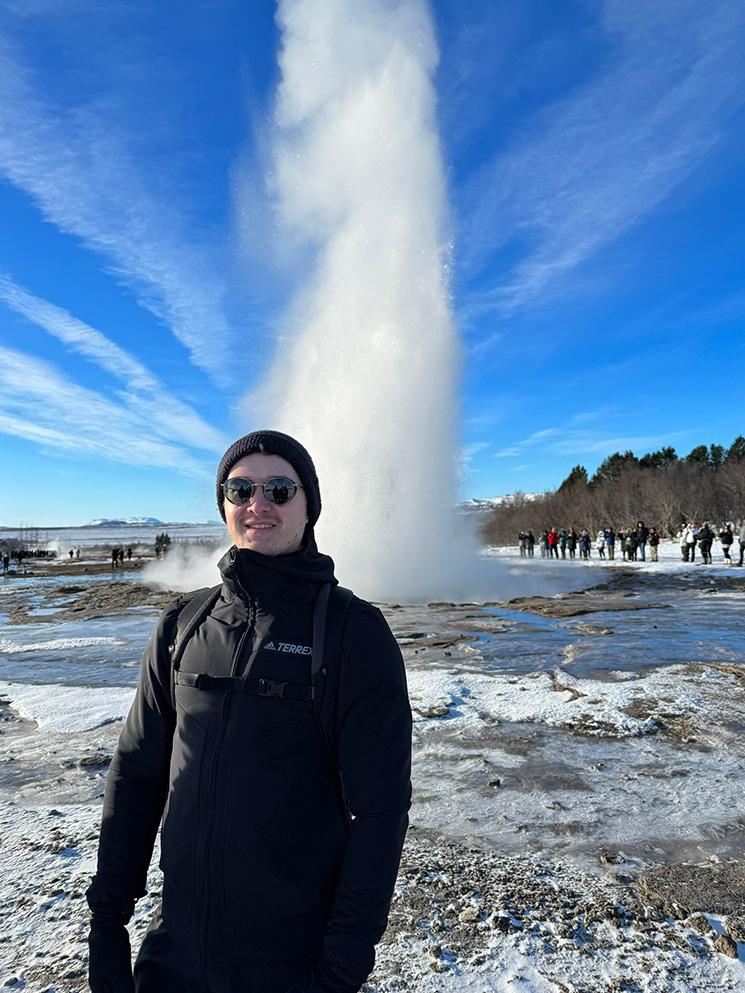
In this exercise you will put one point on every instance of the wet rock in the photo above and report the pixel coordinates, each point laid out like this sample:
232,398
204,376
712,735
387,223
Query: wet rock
436,710
576,604
468,916
736,926
726,946
682,890
701,924
98,760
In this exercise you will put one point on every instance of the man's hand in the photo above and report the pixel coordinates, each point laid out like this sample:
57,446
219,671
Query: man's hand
110,958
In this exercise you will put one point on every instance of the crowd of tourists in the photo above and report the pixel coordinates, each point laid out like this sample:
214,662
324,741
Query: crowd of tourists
633,544
19,555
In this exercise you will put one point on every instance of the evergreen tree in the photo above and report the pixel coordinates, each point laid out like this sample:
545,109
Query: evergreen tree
736,451
577,475
699,454
658,459
613,467
716,455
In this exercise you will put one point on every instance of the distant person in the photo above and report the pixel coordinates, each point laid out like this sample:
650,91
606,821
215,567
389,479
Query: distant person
610,542
6,562
114,557
563,538
726,537
271,731
72,554
705,539
585,544
553,543
654,544
77,553
642,533
572,542
683,542
691,536
522,542
600,543
531,544
742,542
543,542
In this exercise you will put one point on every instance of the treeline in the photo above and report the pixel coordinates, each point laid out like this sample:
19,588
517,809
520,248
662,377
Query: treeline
661,489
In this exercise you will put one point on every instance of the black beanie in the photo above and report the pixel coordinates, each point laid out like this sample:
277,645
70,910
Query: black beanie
273,443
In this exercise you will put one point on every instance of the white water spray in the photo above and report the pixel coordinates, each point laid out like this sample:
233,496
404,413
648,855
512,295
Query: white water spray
367,372
367,369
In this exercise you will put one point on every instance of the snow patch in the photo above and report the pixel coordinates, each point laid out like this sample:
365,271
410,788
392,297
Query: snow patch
56,645
68,708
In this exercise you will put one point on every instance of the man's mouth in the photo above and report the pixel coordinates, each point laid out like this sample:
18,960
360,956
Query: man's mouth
254,526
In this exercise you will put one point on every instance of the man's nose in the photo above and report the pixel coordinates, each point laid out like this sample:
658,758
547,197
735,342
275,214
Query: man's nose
258,499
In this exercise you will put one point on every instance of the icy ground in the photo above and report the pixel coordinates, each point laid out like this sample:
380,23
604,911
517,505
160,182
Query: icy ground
564,748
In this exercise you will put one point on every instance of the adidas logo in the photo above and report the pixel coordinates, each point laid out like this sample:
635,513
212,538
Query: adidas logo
289,649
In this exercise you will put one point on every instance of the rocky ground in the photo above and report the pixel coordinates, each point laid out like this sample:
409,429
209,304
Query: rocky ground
70,602
462,918
536,759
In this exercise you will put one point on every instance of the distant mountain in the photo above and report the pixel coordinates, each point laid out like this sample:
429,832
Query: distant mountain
491,502
104,522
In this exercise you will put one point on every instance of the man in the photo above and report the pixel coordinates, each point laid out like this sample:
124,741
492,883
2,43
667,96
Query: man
279,864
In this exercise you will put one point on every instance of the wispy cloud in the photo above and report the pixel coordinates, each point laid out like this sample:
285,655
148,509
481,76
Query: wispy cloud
76,165
583,442
39,404
599,161
144,395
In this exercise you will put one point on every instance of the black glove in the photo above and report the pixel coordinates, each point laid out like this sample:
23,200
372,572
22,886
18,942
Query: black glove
110,957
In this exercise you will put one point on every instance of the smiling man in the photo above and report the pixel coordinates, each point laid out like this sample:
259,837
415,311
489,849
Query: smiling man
272,725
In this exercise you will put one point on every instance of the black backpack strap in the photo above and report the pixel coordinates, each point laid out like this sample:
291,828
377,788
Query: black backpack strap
320,610
340,599
329,620
188,619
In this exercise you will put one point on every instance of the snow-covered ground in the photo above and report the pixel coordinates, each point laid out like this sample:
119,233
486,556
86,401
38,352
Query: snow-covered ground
561,752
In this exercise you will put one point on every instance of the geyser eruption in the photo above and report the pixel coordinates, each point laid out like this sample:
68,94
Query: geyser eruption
367,370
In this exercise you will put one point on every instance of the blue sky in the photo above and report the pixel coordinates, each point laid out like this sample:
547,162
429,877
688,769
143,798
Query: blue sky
594,162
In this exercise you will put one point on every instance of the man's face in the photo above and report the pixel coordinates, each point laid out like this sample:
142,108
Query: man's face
260,525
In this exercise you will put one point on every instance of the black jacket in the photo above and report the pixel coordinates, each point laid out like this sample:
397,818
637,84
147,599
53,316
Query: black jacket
261,858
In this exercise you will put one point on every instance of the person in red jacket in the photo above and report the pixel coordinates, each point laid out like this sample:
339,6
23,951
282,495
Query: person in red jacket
553,543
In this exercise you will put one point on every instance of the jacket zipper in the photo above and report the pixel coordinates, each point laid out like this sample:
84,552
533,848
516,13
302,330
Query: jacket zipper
212,787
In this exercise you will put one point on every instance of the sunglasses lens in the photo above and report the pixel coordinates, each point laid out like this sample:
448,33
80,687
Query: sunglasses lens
279,490
238,490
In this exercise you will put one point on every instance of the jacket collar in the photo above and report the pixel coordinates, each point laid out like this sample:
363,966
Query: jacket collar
249,575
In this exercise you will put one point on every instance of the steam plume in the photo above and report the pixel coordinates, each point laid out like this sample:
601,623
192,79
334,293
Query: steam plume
366,375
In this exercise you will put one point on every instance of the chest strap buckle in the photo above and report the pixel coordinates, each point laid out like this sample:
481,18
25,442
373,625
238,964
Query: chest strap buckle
271,687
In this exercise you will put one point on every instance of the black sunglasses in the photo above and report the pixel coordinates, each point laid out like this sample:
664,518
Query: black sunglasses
278,490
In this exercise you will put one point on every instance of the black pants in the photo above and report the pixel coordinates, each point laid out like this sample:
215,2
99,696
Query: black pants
162,966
